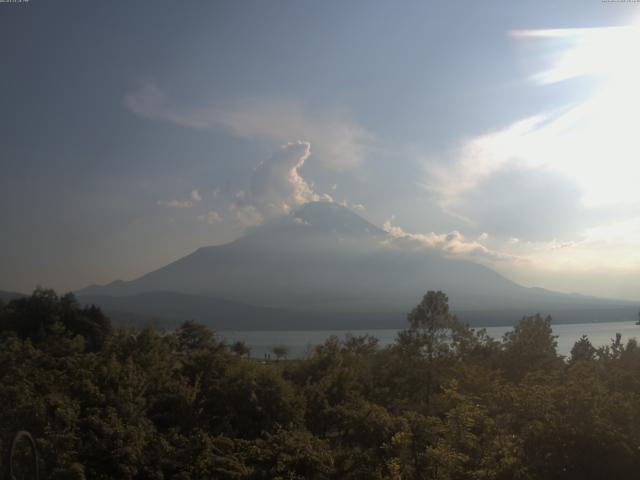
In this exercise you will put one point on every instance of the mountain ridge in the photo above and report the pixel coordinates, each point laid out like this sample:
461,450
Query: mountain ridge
324,258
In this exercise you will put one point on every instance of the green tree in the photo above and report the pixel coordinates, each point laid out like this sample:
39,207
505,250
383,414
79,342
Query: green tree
583,350
280,351
429,336
529,347
291,455
240,348
195,336
44,313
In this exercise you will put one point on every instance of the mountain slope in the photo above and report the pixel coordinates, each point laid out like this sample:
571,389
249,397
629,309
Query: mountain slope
325,258
169,309
8,296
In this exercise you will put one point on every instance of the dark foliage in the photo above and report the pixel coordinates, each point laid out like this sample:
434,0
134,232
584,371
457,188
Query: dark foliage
443,402
43,313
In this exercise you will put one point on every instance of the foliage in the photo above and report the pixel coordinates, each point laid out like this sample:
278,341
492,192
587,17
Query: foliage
280,351
444,402
42,313
240,348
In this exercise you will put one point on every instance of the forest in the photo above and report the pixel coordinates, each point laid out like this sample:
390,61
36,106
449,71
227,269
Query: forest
443,402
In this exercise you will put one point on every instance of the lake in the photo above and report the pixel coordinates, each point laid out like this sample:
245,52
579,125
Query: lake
300,342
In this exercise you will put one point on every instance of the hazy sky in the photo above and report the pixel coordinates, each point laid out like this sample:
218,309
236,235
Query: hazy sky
133,133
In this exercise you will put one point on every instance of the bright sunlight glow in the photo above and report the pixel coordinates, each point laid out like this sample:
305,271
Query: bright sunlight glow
595,144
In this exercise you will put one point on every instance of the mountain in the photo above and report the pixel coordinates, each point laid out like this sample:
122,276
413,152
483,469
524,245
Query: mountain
324,259
169,309
8,296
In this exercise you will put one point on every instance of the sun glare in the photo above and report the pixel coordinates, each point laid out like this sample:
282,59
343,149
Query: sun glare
595,143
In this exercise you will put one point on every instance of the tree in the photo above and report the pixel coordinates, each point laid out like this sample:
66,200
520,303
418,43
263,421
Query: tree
88,321
291,455
194,336
530,346
45,314
280,351
432,314
240,348
431,327
583,350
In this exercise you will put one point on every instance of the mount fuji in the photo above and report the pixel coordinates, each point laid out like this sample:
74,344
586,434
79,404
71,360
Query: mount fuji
324,266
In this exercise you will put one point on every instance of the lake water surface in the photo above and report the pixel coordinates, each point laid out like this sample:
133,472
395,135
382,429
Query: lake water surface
300,342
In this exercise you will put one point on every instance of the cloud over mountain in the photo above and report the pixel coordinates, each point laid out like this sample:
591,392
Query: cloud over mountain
276,186
453,243
339,142
194,198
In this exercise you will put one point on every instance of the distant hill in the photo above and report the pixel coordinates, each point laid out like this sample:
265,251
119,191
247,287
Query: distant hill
325,259
169,309
8,296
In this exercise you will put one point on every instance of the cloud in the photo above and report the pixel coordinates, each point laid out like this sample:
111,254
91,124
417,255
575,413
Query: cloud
246,215
453,243
358,207
150,102
476,160
339,142
176,203
194,198
535,204
610,247
211,217
555,173
276,186
577,52
603,261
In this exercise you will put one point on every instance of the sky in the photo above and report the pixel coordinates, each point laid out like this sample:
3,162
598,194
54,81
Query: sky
132,133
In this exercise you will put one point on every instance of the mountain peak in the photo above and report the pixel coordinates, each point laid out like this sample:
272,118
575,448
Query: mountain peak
324,258
334,218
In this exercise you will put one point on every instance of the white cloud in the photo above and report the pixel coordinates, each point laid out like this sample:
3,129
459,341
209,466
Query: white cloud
557,172
247,215
453,243
212,217
603,265
479,158
358,207
276,186
150,102
585,51
593,145
339,142
194,198
175,203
